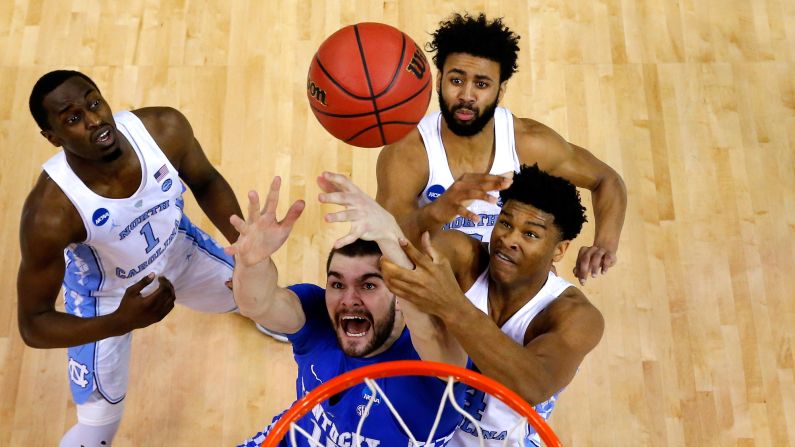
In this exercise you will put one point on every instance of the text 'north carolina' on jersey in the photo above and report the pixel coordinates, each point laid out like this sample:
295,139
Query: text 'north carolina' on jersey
496,419
126,238
440,176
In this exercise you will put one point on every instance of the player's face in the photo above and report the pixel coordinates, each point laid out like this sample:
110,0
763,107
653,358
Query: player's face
524,243
469,90
361,308
81,121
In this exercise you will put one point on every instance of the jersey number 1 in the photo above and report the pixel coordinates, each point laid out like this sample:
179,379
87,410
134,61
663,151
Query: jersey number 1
151,240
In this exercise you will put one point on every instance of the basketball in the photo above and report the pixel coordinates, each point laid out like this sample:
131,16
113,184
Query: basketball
369,84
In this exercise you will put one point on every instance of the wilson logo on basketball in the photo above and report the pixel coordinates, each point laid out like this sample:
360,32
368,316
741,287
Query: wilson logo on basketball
418,63
315,92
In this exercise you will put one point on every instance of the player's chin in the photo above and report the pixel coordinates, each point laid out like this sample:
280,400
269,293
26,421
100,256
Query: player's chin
355,345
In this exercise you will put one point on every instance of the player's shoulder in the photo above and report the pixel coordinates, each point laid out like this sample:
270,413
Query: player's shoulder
48,213
409,150
573,311
538,143
167,125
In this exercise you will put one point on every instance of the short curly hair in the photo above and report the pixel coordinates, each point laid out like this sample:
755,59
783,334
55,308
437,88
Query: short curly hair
43,87
479,37
551,194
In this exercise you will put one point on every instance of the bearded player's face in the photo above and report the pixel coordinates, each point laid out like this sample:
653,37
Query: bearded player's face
469,90
361,308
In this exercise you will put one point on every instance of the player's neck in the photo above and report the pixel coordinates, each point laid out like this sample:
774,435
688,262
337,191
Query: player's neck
469,154
121,169
505,299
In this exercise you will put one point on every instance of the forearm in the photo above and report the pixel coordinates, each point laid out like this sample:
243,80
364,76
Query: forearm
610,204
253,285
430,337
419,221
61,330
218,202
498,356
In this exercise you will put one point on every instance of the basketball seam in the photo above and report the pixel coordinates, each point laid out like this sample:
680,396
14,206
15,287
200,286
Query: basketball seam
334,81
404,123
369,83
359,115
397,69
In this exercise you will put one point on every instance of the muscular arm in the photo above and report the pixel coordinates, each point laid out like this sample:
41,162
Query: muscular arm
539,143
402,172
259,297
49,224
174,135
566,331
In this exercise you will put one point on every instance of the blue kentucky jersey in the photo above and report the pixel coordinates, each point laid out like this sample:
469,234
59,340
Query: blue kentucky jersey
334,422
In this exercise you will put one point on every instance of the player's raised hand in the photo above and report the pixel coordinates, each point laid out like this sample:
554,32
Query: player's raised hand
592,261
463,191
369,221
261,234
431,285
138,310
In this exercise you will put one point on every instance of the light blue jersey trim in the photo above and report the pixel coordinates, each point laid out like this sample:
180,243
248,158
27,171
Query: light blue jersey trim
204,242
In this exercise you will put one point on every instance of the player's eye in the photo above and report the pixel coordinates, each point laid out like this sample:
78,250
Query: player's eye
94,104
71,119
505,223
482,84
337,285
531,235
369,286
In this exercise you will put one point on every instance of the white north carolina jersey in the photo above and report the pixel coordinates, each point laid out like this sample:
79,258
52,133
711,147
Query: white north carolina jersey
496,419
126,238
440,176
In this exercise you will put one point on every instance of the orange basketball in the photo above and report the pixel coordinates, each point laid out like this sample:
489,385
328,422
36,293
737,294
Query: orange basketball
369,84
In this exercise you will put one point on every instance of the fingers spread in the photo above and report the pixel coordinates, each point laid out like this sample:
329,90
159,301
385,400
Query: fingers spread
253,206
272,201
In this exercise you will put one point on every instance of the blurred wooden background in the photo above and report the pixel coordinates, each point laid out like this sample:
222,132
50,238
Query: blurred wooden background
692,102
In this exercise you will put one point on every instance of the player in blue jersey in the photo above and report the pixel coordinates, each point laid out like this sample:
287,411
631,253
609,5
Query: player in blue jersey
105,220
353,322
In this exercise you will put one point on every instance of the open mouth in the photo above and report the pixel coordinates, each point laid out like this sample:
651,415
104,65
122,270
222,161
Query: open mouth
104,136
355,325
502,257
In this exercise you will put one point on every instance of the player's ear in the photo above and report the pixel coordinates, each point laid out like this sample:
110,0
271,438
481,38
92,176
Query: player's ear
503,87
52,138
560,250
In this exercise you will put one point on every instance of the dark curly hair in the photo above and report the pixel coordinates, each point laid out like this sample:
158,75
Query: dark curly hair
43,87
479,37
554,195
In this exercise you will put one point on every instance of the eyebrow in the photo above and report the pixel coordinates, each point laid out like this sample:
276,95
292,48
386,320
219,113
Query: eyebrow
361,278
85,95
527,222
479,77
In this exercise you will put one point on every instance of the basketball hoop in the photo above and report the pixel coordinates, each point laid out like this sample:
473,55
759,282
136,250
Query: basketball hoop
286,424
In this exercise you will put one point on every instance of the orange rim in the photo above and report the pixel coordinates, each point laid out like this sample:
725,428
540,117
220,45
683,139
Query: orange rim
409,368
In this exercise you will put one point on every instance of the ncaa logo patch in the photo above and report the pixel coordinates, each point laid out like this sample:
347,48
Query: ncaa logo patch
100,216
166,185
434,192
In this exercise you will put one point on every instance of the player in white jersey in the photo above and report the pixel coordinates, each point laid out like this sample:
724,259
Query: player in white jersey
514,307
453,159
105,218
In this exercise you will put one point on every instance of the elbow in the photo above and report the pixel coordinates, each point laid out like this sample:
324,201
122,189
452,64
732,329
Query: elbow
29,337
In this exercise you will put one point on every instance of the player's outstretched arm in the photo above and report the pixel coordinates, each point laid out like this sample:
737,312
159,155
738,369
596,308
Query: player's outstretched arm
174,135
402,172
49,224
538,143
572,328
369,221
255,277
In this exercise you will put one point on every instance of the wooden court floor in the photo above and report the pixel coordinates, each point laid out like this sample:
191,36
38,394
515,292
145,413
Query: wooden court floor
692,102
